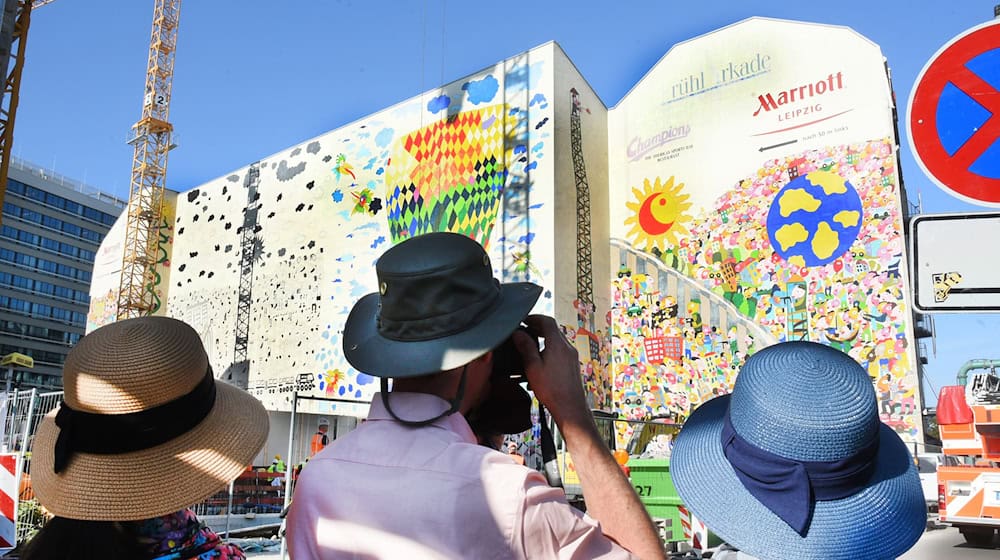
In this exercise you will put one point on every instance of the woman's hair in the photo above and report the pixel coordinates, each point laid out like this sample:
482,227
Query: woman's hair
65,539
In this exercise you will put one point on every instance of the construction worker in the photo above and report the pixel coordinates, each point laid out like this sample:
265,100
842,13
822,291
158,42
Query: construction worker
320,439
277,467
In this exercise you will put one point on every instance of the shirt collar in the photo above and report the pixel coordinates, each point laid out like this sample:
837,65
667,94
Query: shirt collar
418,406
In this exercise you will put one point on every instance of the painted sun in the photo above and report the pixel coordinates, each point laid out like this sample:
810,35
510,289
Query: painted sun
658,214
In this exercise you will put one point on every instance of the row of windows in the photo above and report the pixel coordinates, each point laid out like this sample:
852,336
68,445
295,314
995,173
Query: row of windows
61,203
26,379
44,265
42,287
52,223
37,355
45,333
42,310
64,249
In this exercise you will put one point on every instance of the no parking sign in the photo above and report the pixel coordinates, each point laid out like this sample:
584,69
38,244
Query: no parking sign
954,116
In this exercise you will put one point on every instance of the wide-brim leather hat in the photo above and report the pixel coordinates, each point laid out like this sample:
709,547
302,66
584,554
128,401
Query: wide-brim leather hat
438,307
144,429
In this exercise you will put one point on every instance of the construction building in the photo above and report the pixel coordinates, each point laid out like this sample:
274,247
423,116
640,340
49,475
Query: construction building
52,230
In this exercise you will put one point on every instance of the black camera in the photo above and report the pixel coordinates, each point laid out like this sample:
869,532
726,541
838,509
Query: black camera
507,409
507,361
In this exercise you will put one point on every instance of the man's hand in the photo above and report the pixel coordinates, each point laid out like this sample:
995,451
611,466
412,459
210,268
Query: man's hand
554,376
554,373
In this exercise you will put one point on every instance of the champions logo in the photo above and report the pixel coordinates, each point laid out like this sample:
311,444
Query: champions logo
769,102
639,147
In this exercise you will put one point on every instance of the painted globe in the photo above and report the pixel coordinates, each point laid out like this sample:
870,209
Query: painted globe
814,219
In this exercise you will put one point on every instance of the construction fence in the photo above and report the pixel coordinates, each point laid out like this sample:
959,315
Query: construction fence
21,412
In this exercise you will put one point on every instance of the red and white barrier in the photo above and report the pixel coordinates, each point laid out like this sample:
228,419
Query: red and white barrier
8,500
695,532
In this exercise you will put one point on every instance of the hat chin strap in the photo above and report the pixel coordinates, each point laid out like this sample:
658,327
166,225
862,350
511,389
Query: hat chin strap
455,403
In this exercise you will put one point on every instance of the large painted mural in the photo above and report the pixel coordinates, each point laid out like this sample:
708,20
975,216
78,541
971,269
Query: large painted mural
745,192
266,262
756,199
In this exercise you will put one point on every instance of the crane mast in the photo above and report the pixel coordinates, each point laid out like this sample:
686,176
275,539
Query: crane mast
151,141
13,43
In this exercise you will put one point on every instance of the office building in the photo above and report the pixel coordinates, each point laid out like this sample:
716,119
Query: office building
52,229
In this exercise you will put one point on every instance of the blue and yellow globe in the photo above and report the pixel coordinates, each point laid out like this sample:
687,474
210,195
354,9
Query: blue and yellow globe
814,219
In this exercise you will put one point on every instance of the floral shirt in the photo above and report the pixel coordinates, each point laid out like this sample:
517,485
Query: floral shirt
180,536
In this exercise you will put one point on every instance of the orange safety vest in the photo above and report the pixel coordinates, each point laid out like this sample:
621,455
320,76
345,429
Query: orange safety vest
319,441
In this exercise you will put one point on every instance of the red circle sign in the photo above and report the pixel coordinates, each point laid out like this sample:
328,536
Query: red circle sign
954,124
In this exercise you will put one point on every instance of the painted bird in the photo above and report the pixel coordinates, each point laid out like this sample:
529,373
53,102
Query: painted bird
343,168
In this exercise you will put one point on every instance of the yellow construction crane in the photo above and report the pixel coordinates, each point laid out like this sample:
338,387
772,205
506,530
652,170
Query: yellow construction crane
149,166
13,42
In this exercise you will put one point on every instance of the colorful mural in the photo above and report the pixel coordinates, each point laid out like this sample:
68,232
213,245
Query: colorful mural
449,176
849,297
278,252
105,284
726,214
783,212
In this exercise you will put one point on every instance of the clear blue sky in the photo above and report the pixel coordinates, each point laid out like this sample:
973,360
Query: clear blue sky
253,77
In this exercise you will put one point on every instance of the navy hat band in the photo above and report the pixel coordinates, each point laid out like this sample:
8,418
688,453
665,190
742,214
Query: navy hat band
790,488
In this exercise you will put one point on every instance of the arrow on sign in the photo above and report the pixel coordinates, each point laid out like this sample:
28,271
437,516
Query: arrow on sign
777,145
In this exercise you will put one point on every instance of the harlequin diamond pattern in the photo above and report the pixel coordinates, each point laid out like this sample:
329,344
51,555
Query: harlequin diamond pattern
449,176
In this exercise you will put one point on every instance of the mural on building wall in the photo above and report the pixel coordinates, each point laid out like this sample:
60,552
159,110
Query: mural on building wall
754,198
780,222
105,284
267,261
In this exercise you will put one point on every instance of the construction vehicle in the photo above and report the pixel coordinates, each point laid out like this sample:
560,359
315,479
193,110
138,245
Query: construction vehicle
969,479
648,468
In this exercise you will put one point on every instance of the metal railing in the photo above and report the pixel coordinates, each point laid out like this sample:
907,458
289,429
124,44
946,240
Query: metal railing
21,412
69,183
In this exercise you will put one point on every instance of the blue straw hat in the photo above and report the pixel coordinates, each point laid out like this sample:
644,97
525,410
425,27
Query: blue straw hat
796,464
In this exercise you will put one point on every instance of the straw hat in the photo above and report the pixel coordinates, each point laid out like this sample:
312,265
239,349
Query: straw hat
144,429
796,464
438,307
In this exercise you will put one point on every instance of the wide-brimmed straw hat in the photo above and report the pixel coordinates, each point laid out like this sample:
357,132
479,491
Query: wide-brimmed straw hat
796,464
145,429
438,307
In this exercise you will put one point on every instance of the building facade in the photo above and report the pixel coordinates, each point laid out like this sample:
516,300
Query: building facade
51,232
745,192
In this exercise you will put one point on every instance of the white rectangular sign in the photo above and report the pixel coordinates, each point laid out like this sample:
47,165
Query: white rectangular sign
956,262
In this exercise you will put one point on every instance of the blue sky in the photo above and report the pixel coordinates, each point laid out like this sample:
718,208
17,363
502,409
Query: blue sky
253,77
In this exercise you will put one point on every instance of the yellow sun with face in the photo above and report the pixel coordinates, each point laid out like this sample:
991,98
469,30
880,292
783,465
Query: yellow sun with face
658,214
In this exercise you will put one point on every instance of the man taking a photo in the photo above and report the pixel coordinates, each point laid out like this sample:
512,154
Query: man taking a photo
412,482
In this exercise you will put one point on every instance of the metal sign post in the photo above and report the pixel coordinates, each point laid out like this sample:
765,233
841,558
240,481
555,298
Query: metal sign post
288,471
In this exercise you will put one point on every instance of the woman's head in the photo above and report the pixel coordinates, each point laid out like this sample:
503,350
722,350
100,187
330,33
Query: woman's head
144,429
66,539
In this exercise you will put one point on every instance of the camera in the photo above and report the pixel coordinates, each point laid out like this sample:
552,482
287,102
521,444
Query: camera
507,408
507,361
